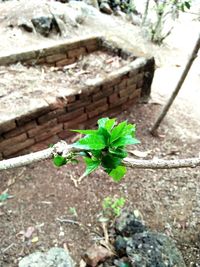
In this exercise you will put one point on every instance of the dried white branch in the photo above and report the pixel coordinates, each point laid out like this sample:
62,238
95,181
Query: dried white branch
63,148
162,163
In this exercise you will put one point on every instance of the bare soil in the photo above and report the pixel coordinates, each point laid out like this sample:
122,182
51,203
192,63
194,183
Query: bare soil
169,200
43,194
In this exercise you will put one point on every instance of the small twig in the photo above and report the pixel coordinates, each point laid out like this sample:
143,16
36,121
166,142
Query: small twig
105,232
75,181
10,246
69,221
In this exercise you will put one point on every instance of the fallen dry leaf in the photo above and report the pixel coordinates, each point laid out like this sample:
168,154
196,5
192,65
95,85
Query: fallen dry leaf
30,230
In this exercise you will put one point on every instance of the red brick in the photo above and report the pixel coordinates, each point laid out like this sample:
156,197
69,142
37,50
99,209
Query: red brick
140,83
51,115
21,129
18,147
49,132
7,126
32,115
119,102
76,52
134,94
91,47
121,85
127,91
133,73
132,80
96,104
65,62
78,104
65,134
113,98
4,145
98,111
111,83
41,128
55,58
70,115
103,93
44,144
69,124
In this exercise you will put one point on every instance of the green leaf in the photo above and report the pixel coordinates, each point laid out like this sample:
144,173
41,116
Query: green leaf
130,129
91,165
125,140
91,142
85,131
187,4
109,124
110,162
117,131
118,173
59,161
119,152
120,202
96,153
105,134
102,122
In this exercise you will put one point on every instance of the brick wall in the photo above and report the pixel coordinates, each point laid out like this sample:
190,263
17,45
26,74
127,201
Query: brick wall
101,97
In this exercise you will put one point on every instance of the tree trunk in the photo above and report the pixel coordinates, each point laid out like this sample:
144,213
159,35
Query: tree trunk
178,87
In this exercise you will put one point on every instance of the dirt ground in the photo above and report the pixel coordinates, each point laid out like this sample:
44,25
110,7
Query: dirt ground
169,200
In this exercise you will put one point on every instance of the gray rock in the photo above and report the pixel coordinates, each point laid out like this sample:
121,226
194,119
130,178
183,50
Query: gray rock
149,249
105,8
43,24
120,245
127,224
55,257
25,24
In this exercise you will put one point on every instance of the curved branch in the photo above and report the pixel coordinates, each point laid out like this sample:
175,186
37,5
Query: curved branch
63,148
26,159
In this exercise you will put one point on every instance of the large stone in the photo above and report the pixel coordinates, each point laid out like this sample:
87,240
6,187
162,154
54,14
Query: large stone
105,8
43,24
150,249
127,224
25,24
55,257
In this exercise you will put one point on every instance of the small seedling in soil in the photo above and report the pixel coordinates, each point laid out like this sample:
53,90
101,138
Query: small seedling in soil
112,207
73,211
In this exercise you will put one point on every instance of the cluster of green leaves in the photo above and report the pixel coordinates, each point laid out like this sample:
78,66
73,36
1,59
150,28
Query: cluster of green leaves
182,4
104,147
112,207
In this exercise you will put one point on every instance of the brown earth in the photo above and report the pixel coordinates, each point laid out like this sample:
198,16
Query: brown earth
169,200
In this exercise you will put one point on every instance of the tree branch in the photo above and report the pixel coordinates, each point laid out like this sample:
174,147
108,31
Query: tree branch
161,163
62,148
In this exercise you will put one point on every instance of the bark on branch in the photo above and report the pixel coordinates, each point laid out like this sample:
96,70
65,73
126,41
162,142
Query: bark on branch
63,148
161,163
